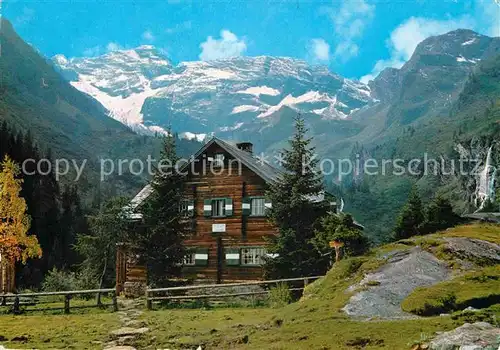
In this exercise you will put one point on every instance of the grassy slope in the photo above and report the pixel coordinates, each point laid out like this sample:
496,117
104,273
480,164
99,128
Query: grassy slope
315,322
56,331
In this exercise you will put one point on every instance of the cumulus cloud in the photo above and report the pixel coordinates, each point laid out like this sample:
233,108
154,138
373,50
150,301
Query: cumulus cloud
229,45
148,35
113,46
320,50
349,22
405,38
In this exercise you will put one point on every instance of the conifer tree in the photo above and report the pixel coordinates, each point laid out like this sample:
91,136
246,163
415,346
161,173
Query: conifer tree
411,218
340,227
160,244
439,215
15,242
294,212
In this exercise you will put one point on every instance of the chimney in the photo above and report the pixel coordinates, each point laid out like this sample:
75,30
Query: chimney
245,146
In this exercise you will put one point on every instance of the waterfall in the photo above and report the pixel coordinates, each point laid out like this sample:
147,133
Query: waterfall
486,187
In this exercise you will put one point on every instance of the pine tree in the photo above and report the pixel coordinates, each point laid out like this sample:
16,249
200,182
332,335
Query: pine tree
439,215
294,213
160,244
15,242
411,218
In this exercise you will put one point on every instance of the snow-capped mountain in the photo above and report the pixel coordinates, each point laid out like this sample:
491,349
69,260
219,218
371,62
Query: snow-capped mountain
141,88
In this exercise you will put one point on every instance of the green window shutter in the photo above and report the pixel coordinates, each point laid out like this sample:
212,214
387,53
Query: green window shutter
268,205
246,206
228,206
201,257
207,207
232,256
191,208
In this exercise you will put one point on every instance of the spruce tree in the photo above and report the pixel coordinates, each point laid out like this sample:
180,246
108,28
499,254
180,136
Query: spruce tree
411,218
294,213
439,215
160,244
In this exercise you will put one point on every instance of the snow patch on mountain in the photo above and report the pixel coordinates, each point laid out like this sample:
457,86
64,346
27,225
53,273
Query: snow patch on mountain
290,101
124,109
192,136
231,128
244,108
259,90
463,59
469,42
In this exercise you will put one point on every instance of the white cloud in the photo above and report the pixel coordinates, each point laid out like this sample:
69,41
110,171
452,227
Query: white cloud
349,24
488,14
113,46
148,35
320,50
227,46
405,38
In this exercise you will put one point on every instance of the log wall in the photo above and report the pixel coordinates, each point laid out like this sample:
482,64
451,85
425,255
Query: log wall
234,181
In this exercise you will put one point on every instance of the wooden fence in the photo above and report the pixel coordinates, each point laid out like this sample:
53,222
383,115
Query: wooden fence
152,294
15,301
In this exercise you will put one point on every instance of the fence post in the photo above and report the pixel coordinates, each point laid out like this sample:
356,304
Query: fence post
306,282
16,306
115,302
4,301
149,302
67,297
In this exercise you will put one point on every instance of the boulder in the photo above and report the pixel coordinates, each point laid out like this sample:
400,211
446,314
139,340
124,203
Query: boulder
476,336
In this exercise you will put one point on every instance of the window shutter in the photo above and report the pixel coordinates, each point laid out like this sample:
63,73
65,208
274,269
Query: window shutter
201,257
246,206
207,207
268,205
232,256
190,208
228,203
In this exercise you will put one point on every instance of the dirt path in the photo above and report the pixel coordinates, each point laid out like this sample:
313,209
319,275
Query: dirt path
131,326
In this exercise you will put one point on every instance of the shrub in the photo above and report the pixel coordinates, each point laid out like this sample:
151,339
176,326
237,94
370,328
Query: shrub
59,280
280,295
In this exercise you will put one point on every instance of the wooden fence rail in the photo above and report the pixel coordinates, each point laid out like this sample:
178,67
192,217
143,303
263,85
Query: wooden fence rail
150,293
31,299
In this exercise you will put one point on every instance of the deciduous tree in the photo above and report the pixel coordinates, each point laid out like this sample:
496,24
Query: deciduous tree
15,242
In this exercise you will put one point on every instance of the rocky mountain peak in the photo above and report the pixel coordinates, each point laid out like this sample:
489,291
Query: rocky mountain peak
141,86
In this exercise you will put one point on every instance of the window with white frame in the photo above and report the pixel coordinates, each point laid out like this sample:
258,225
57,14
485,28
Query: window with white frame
190,259
252,256
257,207
219,159
218,207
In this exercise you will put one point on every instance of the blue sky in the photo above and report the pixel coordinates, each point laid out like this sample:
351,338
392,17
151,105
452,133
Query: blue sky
355,38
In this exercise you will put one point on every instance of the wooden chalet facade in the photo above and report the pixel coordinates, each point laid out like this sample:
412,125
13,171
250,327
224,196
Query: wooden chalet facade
225,205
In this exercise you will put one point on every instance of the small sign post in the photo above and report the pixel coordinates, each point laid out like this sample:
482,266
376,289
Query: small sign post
337,245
